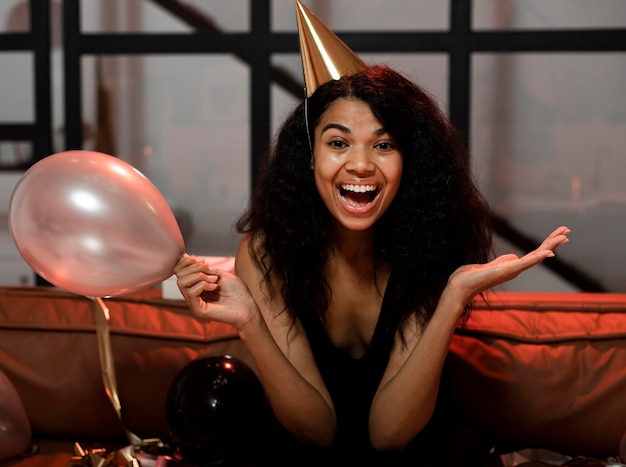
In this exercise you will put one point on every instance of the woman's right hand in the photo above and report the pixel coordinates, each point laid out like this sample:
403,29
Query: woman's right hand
214,294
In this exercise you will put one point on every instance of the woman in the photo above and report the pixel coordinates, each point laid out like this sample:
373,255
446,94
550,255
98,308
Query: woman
365,246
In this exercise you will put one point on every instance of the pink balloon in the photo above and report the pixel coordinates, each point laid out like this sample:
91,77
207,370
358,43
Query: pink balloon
94,225
15,430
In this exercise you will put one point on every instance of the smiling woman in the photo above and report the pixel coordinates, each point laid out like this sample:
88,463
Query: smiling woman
363,249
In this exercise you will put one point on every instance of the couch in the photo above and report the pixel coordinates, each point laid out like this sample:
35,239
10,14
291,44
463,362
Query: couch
537,374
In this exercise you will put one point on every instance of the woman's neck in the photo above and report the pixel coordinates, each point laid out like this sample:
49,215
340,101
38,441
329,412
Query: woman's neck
353,245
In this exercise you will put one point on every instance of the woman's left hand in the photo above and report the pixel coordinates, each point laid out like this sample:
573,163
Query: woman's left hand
472,279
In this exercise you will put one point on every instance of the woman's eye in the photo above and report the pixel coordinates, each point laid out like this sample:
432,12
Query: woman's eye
337,144
385,146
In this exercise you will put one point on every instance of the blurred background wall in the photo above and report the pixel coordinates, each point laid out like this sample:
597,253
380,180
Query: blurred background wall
546,128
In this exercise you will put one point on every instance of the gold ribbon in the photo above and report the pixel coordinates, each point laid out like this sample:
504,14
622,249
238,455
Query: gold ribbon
101,316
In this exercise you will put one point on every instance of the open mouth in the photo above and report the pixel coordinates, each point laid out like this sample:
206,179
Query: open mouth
358,195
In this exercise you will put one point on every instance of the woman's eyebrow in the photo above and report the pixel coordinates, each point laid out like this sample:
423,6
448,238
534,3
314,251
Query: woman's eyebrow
345,129
336,126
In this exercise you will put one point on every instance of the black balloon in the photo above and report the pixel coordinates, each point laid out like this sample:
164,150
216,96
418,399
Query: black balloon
217,412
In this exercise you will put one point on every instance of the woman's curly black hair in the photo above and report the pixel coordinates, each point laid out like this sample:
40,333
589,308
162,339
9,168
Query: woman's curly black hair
438,221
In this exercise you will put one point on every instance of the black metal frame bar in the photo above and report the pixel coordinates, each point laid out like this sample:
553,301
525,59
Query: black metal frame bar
257,46
37,41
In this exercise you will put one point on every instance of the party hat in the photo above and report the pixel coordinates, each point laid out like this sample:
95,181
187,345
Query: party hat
324,56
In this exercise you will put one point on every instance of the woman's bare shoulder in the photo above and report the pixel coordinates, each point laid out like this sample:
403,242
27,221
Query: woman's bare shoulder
249,268
243,256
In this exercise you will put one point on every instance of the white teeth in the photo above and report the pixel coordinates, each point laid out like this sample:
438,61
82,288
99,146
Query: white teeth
359,188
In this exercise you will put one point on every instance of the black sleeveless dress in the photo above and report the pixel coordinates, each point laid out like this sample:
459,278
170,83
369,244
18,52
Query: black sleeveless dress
352,384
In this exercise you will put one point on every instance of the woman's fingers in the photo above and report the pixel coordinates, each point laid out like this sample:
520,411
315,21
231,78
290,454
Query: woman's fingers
184,262
556,238
546,250
194,276
200,287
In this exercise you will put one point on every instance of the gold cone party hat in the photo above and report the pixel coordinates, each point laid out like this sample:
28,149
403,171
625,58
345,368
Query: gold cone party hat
324,56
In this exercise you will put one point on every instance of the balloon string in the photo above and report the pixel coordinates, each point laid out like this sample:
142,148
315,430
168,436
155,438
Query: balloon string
101,316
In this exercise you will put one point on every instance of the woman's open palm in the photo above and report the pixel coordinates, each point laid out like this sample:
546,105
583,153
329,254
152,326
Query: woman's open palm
472,279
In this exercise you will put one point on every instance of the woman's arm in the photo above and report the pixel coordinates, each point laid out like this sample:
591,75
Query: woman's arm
279,346
406,397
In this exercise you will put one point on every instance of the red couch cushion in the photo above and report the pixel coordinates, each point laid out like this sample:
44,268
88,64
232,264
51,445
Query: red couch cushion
545,370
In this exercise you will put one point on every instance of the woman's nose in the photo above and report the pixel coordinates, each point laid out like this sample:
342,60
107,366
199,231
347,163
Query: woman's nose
360,161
